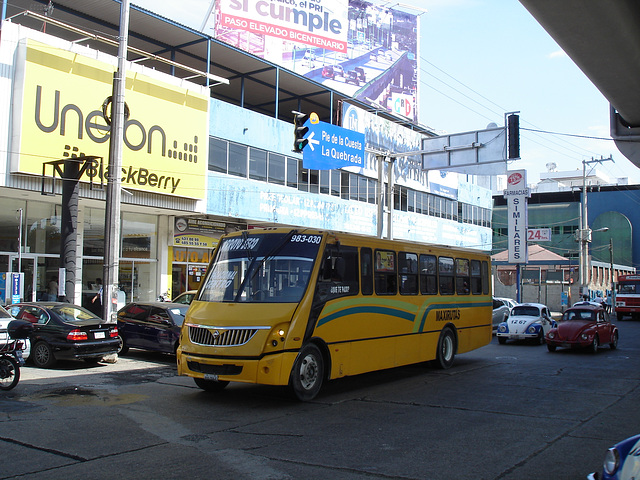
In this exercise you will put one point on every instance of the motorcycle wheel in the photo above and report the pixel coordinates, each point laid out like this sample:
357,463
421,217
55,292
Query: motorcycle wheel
9,372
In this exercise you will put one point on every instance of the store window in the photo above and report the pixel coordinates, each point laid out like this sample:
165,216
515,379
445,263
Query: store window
217,155
258,164
276,168
237,160
43,228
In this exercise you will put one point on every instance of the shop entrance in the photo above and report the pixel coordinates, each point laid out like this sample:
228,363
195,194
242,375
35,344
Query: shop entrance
39,273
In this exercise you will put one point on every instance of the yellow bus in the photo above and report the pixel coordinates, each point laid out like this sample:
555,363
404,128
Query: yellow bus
299,307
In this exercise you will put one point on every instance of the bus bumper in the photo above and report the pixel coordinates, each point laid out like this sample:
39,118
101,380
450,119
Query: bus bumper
269,370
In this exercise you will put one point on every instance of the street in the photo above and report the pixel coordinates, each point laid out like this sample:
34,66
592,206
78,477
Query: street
511,411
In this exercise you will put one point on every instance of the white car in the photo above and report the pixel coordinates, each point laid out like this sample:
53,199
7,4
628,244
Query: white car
528,321
509,302
5,319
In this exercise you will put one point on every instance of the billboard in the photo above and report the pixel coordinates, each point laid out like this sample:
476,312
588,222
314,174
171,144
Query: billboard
366,50
57,112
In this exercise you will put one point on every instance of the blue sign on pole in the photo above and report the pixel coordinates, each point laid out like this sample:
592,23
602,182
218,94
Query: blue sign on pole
332,147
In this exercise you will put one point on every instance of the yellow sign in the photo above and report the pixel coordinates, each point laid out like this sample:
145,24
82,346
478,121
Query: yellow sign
165,136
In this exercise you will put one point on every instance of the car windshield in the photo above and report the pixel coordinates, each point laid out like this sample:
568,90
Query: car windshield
578,315
526,311
258,268
4,313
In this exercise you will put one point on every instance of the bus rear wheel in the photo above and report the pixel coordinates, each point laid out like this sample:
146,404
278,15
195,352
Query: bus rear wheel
307,373
446,353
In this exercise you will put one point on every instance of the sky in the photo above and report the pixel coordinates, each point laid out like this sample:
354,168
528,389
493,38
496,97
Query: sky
483,58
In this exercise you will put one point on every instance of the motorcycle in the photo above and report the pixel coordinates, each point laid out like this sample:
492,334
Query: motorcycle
11,353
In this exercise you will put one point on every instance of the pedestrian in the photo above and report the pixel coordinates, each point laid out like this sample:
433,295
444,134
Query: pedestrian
52,289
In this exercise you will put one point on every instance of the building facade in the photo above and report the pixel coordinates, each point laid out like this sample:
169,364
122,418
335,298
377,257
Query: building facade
193,168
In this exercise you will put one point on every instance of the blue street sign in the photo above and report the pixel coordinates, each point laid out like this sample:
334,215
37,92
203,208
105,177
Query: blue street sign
332,147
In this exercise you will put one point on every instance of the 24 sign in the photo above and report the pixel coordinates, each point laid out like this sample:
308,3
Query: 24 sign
539,234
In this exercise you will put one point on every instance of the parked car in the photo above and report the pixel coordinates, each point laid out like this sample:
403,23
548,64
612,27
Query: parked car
509,302
328,72
361,75
583,326
500,313
621,462
66,331
5,320
338,71
185,297
527,321
352,77
151,326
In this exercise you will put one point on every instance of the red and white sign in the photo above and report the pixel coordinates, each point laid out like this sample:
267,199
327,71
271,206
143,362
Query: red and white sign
516,194
316,23
539,234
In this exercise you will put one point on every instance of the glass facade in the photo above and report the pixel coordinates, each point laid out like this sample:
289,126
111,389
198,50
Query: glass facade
248,162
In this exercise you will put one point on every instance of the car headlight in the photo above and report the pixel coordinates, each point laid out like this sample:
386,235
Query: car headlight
551,335
584,336
611,461
532,329
502,328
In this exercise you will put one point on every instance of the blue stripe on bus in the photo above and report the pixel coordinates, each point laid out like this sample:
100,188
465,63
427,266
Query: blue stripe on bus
368,309
399,313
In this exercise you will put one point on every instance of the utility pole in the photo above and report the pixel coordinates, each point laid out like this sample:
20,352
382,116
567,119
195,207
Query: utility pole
112,207
584,233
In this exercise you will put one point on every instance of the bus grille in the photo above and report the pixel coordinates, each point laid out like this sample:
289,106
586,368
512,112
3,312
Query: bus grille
220,337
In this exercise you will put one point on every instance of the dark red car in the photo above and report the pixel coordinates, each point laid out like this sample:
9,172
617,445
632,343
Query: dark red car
583,326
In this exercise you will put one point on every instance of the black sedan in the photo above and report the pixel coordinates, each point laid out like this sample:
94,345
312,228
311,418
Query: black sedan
66,331
151,326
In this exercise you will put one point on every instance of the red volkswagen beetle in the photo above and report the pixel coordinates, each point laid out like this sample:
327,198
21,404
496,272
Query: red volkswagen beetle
583,326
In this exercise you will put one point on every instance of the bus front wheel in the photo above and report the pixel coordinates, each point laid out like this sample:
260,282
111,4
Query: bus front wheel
446,349
307,373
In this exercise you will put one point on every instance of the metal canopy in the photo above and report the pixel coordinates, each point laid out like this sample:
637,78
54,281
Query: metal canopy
254,83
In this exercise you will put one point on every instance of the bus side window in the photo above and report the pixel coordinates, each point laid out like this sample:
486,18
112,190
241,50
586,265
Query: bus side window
386,278
366,270
476,277
428,275
339,267
446,274
462,276
485,278
408,271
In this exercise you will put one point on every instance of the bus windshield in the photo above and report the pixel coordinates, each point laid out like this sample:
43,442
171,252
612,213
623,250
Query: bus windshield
261,268
628,287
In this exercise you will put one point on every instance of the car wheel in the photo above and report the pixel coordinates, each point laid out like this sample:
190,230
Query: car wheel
122,346
619,316
614,341
593,348
307,373
9,372
551,348
541,337
446,353
211,385
42,355
502,340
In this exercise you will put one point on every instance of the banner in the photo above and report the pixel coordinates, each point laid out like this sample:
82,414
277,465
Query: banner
58,113
516,194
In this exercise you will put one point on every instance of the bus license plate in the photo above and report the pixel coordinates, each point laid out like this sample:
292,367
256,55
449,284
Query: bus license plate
211,376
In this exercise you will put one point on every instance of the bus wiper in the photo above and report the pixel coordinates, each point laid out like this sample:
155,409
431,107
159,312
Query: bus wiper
255,269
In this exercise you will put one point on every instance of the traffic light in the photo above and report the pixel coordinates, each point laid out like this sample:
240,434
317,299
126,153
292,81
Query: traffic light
299,131
513,134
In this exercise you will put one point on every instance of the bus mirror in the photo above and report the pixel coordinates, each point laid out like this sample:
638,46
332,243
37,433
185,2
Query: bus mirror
339,269
326,269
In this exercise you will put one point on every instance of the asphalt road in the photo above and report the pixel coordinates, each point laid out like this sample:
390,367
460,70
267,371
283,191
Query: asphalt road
510,411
